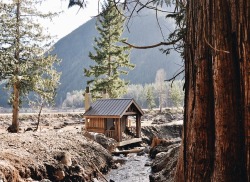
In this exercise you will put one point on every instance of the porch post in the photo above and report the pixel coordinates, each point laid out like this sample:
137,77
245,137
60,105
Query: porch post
126,121
118,129
86,123
138,126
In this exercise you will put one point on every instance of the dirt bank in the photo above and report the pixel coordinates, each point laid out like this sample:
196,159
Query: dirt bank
48,121
53,155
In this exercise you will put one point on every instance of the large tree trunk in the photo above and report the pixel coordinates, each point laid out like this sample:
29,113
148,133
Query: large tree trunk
217,111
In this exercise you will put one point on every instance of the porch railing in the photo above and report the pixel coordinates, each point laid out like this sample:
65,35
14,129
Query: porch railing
110,133
132,129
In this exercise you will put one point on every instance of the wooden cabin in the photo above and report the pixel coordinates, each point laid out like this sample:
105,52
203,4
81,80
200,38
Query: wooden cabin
110,117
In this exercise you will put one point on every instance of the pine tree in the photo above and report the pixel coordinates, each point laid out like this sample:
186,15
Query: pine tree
112,59
24,60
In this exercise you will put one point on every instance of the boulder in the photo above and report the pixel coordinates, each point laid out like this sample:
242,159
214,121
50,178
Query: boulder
59,175
107,143
163,145
164,164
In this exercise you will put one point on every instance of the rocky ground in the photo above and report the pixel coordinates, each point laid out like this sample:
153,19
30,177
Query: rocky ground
164,160
166,129
60,150
57,156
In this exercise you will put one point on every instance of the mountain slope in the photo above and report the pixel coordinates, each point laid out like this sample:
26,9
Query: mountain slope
143,29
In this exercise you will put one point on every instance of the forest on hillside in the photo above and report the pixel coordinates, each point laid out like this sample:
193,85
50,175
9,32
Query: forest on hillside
148,96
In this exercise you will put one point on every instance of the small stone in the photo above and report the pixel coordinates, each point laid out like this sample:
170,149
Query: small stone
59,175
116,166
45,180
141,153
95,180
148,163
66,159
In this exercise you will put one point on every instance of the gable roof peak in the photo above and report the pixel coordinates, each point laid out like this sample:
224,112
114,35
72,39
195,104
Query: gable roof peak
112,107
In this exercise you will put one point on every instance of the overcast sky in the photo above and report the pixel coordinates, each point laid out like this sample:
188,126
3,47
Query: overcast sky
71,18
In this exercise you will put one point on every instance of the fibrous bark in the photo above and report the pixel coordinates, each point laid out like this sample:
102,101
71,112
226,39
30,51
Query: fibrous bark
217,99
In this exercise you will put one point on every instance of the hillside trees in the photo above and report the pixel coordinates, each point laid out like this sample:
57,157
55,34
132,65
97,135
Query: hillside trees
150,98
23,62
111,58
176,94
145,95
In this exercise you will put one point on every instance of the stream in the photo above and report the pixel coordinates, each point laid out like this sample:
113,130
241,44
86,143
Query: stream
133,169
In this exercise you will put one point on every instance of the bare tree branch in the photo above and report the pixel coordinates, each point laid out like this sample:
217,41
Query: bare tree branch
132,14
157,19
174,77
154,45
151,7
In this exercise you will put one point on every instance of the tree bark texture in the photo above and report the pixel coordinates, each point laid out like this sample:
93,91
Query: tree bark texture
217,97
15,123
16,85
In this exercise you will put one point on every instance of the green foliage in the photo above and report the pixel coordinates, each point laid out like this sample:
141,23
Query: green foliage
137,91
141,93
24,51
176,94
112,59
145,95
150,98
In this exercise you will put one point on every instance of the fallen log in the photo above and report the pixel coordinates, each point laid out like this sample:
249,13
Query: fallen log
128,151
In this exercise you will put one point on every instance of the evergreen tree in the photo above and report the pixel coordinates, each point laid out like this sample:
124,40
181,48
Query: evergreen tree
150,98
176,94
112,59
23,62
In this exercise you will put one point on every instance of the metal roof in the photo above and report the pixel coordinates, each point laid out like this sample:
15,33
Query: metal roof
111,107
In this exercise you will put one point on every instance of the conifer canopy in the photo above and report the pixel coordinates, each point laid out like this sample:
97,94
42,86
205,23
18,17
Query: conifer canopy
110,57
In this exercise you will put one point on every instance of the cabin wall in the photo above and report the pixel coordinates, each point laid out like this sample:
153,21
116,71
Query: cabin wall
95,125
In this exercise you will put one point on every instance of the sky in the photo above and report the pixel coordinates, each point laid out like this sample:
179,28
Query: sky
70,18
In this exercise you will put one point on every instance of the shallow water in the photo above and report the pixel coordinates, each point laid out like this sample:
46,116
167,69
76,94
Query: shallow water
133,170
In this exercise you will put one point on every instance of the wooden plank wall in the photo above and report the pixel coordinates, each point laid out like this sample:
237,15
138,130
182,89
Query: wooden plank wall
97,123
